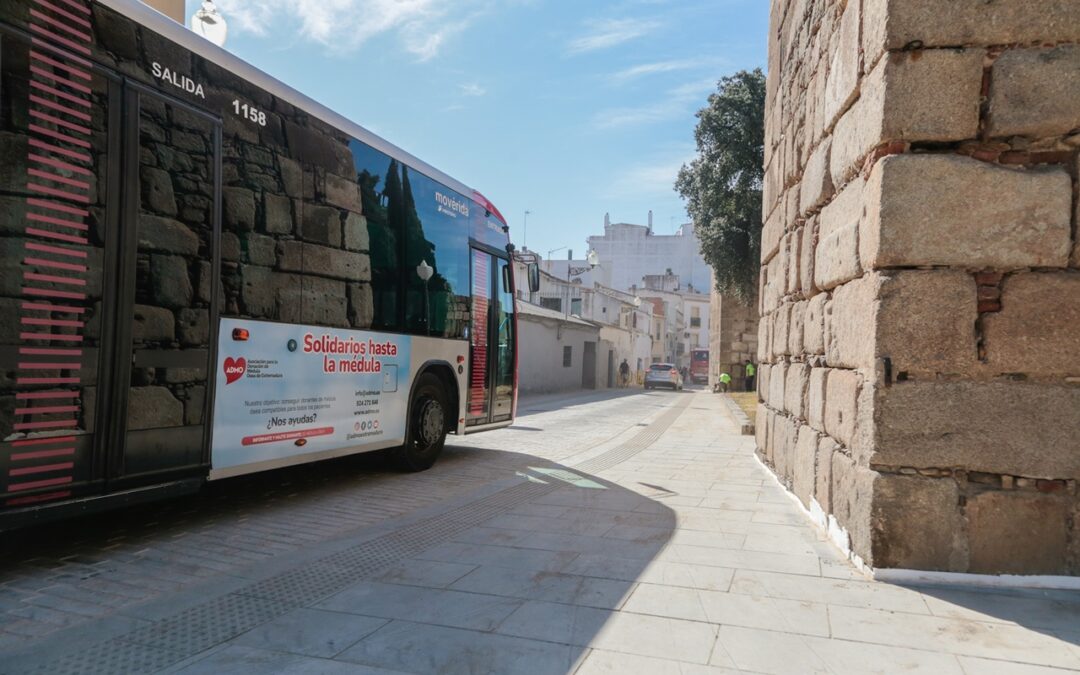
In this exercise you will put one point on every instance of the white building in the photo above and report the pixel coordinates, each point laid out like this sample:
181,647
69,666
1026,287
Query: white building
630,252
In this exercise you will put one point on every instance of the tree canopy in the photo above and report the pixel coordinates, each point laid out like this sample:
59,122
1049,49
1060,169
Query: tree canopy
722,186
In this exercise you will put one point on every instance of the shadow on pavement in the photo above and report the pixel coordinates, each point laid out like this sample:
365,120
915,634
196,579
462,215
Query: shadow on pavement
522,580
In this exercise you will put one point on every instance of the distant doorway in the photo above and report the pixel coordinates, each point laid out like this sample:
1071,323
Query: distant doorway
588,366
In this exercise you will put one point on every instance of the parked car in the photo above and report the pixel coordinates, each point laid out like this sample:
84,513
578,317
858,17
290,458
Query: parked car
663,375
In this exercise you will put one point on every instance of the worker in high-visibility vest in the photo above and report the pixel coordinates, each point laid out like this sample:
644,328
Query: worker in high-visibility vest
751,371
725,380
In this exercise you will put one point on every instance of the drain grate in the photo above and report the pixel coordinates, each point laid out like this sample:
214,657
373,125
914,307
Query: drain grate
171,640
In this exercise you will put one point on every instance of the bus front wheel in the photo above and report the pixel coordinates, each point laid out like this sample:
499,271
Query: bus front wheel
426,435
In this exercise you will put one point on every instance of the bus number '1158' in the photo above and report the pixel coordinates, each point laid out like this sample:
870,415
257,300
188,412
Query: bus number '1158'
249,112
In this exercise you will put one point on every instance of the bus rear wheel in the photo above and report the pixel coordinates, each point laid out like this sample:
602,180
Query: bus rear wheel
426,435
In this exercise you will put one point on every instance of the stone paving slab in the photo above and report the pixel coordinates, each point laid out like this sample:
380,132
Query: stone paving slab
676,554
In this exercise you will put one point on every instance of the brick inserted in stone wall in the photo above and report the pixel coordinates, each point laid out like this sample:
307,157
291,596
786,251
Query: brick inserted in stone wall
920,285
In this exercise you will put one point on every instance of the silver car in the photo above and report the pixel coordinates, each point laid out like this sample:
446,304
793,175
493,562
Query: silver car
663,375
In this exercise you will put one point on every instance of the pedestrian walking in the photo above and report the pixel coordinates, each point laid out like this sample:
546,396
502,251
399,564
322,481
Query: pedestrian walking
751,371
624,374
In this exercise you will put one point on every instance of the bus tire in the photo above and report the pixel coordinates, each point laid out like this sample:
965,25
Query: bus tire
426,433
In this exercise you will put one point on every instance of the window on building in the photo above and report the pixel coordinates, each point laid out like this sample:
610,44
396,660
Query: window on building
567,356
551,303
575,306
695,322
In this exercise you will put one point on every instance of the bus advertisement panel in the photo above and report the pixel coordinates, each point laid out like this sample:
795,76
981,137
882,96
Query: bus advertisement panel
287,390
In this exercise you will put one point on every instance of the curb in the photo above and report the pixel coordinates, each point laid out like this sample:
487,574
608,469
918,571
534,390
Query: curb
746,427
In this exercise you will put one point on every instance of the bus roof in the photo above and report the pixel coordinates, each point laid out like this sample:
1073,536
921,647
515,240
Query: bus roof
158,22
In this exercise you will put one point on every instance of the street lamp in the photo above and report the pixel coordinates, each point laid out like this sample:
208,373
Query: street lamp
209,23
424,271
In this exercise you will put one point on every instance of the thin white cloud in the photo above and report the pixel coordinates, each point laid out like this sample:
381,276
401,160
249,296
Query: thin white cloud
472,89
675,102
608,33
423,26
655,178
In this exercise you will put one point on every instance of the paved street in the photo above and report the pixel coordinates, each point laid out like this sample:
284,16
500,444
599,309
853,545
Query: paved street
602,533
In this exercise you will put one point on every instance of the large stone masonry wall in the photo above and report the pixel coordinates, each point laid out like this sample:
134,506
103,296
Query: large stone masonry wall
733,336
920,281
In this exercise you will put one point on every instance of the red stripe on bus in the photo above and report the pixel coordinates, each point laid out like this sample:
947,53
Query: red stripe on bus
63,138
78,100
77,72
58,365
47,380
64,208
16,487
53,424
34,321
64,13
56,163
45,351
42,454
51,337
51,293
43,468
60,25
55,309
34,499
38,42
59,194
53,264
53,279
59,107
62,40
41,72
77,5
46,409
56,250
60,151
51,440
64,180
46,117
57,221
33,231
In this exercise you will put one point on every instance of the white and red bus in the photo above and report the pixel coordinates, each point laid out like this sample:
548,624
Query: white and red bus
204,273
699,366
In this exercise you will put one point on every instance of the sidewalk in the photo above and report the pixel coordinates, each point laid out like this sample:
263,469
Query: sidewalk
665,549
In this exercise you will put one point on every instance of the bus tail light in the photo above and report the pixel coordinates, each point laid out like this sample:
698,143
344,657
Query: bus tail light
461,359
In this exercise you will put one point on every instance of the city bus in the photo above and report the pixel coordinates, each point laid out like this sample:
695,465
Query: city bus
205,273
699,366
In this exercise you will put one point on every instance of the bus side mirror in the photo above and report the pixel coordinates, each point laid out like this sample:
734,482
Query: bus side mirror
534,277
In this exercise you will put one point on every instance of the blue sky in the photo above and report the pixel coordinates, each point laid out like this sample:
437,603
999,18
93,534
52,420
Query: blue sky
567,109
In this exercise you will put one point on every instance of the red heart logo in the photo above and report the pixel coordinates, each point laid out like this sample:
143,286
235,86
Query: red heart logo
234,369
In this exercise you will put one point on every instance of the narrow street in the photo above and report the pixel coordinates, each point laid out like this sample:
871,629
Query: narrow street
608,532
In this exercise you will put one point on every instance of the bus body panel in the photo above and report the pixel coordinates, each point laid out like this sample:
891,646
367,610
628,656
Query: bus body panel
699,366
196,195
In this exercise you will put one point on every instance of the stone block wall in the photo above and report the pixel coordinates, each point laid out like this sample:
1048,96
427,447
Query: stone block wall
920,280
733,335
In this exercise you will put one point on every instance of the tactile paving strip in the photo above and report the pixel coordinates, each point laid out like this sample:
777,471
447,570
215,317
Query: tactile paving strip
185,634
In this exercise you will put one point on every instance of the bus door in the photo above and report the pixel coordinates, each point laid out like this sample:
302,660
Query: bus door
491,340
167,303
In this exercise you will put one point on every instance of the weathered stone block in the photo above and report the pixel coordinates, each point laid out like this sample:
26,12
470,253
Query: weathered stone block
815,398
194,405
807,250
925,322
784,451
817,185
777,380
805,459
795,327
823,472
918,524
290,256
841,404
814,325
238,209
153,408
322,224
761,428
836,258
763,381
952,210
849,323
356,232
152,324
292,176
1037,331
931,95
170,281
771,234
157,191
230,247
773,287
1014,532
260,249
793,260
278,214
193,326
1015,428
889,24
798,374
343,193
841,87
336,263
325,302
763,346
852,495
361,306
165,235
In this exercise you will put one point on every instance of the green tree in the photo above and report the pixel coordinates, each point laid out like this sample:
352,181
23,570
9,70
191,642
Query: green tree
722,186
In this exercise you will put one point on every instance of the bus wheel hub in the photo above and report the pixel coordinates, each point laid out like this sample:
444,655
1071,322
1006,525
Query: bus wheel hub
432,421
